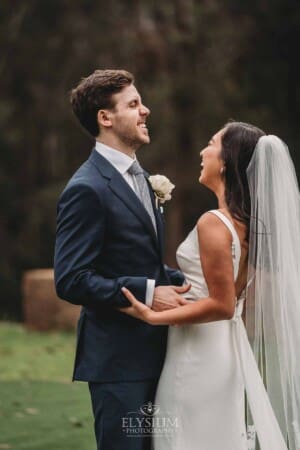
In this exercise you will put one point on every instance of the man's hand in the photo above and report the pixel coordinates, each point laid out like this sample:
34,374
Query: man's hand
168,297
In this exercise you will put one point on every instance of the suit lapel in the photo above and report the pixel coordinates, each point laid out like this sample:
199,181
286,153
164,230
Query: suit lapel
121,188
123,191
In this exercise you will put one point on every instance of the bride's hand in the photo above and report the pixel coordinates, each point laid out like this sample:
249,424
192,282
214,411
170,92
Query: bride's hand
137,309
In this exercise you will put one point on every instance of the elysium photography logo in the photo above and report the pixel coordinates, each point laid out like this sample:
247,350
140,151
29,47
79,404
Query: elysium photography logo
149,420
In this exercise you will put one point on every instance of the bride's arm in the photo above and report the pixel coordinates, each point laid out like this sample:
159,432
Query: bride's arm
215,242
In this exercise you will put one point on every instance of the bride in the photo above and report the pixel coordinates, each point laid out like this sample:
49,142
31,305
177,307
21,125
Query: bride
248,249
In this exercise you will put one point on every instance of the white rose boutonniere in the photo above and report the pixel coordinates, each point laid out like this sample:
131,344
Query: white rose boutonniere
162,188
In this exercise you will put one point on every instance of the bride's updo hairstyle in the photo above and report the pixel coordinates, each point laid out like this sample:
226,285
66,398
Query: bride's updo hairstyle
238,143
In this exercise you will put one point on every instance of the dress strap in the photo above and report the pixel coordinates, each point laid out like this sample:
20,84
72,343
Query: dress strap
235,246
229,225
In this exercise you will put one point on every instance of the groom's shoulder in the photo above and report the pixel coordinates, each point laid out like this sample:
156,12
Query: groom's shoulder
86,177
88,173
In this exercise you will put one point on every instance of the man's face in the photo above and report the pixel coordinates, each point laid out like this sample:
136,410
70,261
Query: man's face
128,118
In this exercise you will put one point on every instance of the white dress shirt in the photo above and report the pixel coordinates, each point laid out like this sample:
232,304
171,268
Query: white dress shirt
122,162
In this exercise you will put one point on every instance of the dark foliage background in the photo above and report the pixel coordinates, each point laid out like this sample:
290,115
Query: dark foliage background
197,64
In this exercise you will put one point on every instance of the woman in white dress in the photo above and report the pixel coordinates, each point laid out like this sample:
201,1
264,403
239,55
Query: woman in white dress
209,363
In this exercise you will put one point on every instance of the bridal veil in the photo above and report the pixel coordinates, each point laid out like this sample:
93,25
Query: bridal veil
273,293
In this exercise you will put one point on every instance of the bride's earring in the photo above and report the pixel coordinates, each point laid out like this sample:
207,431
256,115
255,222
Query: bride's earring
222,170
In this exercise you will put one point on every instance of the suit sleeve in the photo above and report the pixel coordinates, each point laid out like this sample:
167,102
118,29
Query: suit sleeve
79,243
176,277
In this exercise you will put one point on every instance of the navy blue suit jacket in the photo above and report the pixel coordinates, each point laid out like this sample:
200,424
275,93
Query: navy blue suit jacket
105,240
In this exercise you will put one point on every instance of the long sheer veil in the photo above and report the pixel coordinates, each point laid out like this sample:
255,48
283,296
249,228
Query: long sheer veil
273,293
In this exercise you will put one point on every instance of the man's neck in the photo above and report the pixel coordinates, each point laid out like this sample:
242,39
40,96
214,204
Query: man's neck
117,145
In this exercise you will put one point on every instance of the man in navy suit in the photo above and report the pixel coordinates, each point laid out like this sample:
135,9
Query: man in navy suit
109,237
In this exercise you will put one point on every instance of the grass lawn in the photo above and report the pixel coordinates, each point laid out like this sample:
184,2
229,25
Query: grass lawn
40,408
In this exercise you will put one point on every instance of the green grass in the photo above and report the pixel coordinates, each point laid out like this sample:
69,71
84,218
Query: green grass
40,408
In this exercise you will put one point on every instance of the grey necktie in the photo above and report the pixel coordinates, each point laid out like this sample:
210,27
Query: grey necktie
142,189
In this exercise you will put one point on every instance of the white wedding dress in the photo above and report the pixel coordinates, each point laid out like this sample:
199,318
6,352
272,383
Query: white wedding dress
200,400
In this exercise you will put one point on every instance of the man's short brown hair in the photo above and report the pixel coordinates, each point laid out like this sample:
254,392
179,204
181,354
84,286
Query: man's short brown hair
95,92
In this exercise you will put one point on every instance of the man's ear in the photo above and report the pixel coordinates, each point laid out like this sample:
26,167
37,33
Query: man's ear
104,118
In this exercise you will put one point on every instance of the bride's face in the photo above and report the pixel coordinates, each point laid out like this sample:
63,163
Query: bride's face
212,166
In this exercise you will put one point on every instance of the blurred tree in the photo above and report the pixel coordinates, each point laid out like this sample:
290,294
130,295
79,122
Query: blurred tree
197,64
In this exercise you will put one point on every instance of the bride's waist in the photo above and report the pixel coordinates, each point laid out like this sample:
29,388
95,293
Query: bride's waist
196,293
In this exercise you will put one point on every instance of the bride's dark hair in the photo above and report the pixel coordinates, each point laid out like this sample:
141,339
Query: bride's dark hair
238,143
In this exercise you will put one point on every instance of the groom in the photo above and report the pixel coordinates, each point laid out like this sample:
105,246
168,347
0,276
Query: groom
110,235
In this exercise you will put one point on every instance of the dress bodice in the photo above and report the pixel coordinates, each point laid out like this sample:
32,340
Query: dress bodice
188,259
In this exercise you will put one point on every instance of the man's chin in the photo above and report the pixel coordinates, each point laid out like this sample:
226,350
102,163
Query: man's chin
146,140
143,142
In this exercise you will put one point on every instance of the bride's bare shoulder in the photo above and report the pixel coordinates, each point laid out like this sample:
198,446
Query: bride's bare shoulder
209,218
211,226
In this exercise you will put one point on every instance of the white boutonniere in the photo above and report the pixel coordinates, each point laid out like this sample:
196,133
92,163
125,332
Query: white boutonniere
162,188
